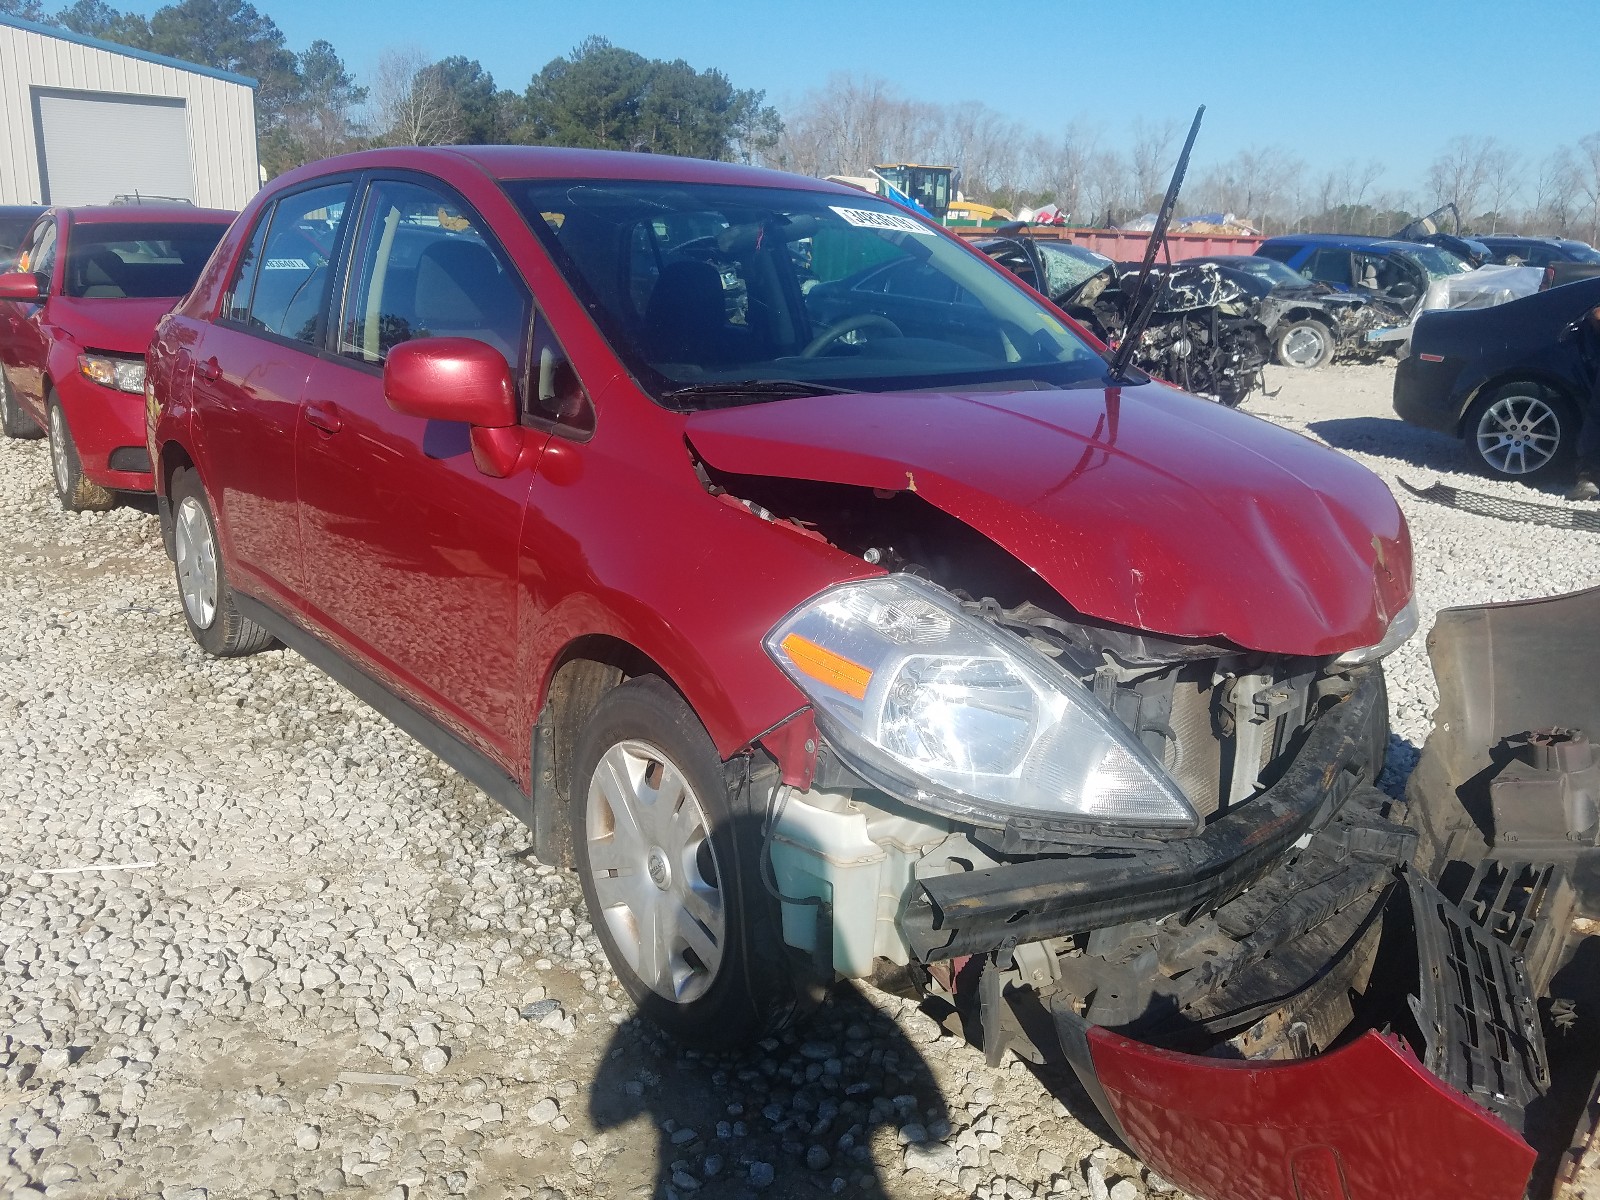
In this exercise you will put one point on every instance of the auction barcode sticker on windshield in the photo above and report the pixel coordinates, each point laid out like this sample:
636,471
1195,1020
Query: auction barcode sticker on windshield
868,218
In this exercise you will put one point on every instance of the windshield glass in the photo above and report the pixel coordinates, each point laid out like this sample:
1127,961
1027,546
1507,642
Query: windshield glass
1267,268
1439,263
1581,252
137,261
1067,266
696,285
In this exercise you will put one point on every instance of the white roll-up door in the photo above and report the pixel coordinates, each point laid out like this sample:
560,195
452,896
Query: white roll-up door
95,145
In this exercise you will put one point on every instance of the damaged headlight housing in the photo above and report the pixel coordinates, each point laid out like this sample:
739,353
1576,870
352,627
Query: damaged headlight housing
951,714
1398,634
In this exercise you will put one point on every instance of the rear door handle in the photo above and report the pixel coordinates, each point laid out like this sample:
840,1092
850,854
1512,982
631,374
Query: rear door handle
325,417
211,370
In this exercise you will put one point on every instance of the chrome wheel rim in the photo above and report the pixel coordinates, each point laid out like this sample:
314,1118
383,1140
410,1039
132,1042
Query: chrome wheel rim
59,466
1302,347
655,872
197,562
1519,434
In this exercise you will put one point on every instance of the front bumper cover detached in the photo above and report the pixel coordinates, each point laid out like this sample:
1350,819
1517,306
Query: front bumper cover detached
979,911
1443,1089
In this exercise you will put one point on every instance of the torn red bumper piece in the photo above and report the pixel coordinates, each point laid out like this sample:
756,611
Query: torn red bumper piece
1364,1122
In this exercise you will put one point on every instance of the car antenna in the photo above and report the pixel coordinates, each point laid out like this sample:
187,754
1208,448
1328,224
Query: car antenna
1146,294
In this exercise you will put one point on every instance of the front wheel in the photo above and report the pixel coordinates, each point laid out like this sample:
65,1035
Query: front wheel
1305,345
1523,431
669,868
77,494
208,608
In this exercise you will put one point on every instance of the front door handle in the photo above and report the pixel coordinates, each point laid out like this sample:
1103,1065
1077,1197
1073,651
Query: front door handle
211,370
324,417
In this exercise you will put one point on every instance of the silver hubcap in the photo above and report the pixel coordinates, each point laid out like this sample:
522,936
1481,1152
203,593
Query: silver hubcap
58,450
1519,434
1302,347
197,563
655,873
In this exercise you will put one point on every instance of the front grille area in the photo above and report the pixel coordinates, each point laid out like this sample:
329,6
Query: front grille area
129,458
1218,733
1193,754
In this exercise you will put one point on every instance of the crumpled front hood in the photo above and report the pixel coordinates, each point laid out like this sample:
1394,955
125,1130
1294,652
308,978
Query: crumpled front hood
118,326
1141,506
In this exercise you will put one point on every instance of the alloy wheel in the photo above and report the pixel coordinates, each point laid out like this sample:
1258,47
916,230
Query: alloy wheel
60,464
1303,347
196,552
655,871
1519,434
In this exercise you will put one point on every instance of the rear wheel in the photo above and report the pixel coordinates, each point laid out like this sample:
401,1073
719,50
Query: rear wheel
66,469
1305,344
670,875
208,608
14,419
1523,431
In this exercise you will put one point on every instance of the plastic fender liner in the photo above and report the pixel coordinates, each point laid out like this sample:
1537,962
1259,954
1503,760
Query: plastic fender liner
1362,1122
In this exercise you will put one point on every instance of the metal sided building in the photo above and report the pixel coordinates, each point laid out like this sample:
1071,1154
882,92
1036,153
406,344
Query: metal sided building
83,121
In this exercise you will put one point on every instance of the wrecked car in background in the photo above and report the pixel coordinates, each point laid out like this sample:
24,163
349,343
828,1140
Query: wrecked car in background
883,629
1309,324
1204,335
1408,276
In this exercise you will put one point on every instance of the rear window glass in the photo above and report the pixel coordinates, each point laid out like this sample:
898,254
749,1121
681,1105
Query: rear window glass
137,261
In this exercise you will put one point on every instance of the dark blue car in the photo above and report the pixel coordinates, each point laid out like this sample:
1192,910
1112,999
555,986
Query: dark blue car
1396,271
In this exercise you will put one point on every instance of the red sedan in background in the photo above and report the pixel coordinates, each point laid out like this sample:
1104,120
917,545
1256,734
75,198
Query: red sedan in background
76,314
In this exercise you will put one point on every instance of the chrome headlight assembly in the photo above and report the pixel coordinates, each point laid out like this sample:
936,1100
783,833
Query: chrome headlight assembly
113,371
1397,635
956,716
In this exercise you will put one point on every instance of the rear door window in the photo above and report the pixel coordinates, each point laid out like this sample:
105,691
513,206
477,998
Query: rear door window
425,267
292,274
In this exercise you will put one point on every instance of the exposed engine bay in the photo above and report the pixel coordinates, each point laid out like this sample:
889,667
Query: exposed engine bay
1205,333
1307,912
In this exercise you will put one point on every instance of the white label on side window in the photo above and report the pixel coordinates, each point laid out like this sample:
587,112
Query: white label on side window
868,218
286,264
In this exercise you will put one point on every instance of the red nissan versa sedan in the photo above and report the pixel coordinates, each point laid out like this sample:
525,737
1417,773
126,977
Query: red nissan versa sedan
804,581
76,313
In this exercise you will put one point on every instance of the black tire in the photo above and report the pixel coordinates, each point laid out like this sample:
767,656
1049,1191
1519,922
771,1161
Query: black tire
76,493
752,992
14,419
219,627
1533,412
1290,347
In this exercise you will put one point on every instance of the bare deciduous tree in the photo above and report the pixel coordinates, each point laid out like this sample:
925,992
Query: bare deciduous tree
1458,174
413,105
1152,156
1502,181
1555,193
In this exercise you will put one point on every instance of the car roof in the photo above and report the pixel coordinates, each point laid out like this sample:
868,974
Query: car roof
149,214
1349,240
556,162
1522,238
20,210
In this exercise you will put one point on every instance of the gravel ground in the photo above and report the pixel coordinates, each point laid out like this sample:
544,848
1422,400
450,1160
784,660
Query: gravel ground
255,943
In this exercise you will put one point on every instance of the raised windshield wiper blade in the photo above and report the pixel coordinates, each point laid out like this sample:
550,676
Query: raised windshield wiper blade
755,387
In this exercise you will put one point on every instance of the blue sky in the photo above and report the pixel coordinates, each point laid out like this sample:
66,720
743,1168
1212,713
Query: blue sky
1331,80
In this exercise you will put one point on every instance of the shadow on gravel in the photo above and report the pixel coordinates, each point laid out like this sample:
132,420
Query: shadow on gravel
1390,437
795,1116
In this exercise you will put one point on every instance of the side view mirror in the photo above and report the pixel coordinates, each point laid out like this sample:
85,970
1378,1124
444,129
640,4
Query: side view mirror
20,285
459,379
